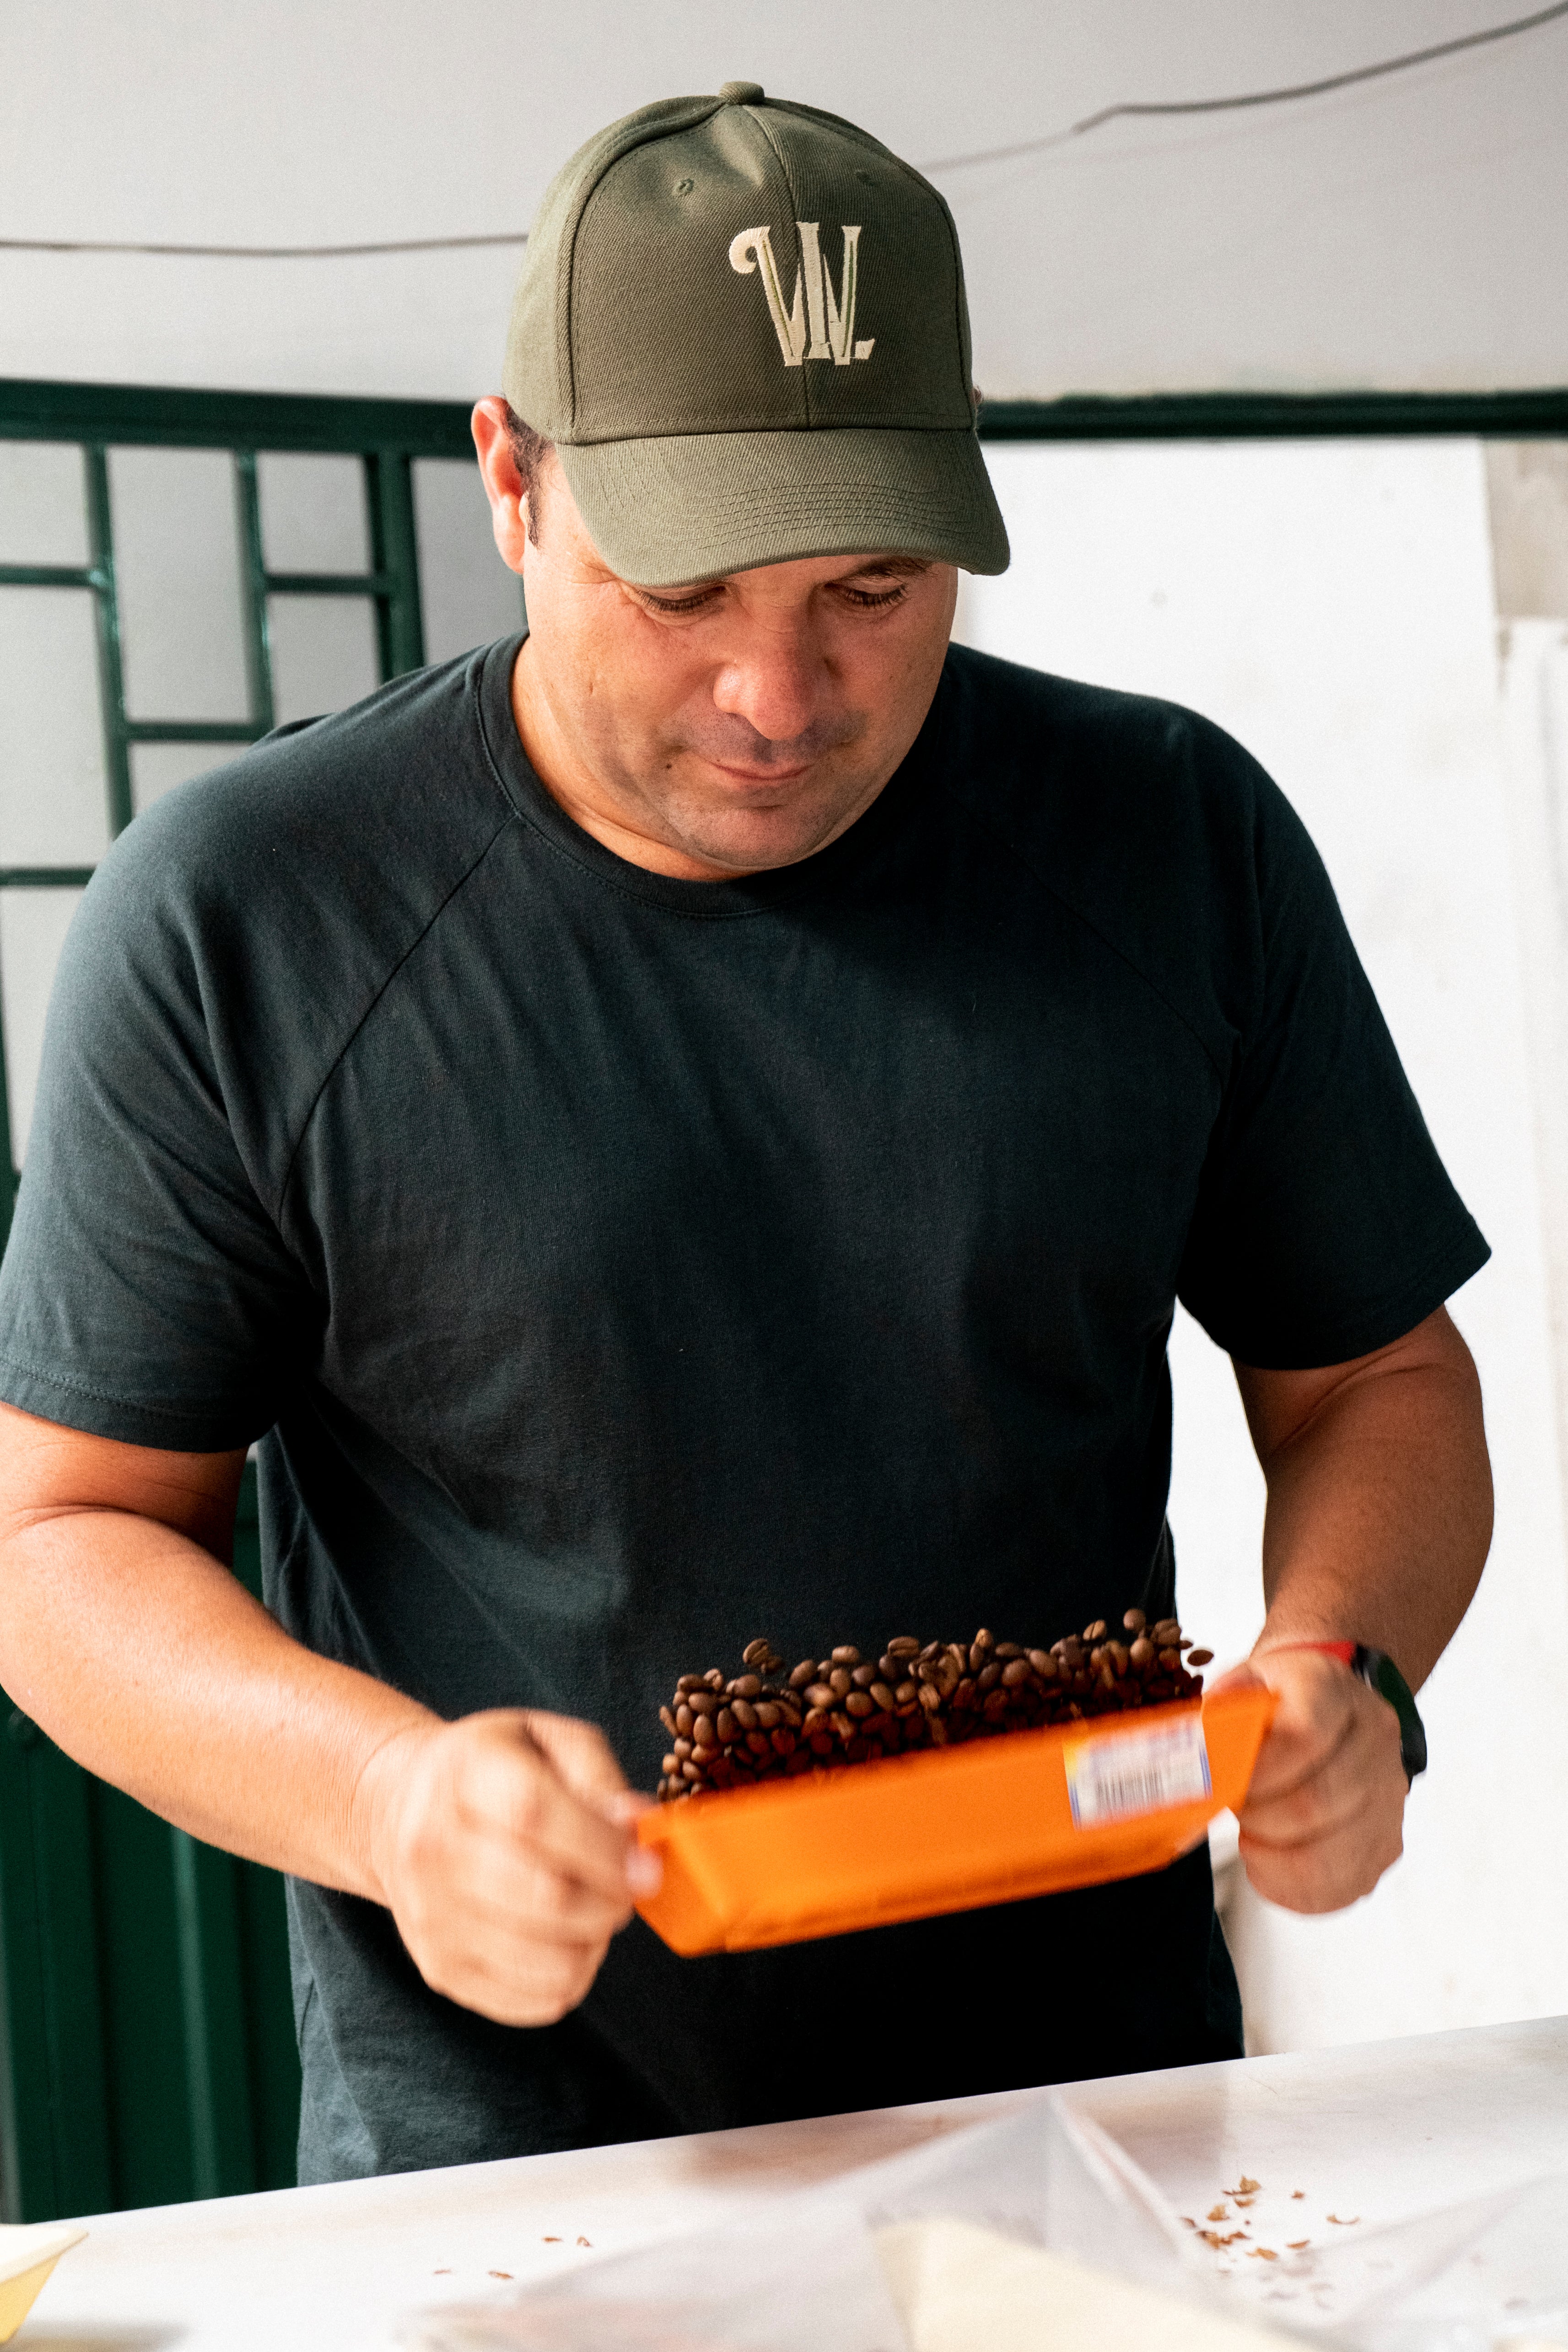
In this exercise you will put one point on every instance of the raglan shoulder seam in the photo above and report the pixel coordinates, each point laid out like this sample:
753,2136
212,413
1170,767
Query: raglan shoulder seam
508,820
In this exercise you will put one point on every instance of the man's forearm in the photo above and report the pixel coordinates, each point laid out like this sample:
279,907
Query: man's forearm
1380,1505
148,1662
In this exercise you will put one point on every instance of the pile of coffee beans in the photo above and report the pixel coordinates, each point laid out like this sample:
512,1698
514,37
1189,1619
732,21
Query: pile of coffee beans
726,1732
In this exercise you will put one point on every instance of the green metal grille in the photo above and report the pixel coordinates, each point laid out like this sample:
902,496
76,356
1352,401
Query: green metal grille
147,2050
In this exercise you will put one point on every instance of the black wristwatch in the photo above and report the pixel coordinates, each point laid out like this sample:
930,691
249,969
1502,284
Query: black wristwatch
1379,1673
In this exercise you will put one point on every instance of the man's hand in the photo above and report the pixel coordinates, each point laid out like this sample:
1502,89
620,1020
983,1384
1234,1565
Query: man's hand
1322,1817
502,1843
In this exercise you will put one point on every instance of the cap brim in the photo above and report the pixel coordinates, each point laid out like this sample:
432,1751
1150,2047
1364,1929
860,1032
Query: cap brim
694,505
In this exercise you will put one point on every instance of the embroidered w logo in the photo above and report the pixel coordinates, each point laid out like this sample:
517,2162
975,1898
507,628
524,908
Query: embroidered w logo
827,320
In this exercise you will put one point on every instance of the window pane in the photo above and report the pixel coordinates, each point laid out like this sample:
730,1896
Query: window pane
32,930
157,768
52,800
43,515
313,513
176,548
323,654
467,593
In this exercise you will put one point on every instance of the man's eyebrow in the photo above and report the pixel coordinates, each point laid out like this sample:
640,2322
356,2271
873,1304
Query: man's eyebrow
874,567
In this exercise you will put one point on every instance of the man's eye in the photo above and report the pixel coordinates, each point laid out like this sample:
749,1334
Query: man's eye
692,603
872,600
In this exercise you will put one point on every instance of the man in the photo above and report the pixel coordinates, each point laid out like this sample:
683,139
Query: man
693,1126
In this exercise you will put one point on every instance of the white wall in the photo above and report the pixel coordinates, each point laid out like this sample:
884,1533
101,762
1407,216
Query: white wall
1331,604
1402,232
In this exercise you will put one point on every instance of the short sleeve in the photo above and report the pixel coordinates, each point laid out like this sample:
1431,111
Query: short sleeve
1326,1225
146,1293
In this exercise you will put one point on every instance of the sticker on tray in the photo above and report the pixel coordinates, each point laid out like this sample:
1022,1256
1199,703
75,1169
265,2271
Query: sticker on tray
1116,1779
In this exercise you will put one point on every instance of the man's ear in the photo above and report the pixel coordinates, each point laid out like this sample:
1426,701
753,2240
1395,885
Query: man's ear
503,483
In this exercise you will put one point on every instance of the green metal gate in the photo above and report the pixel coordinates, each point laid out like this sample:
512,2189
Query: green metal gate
147,2046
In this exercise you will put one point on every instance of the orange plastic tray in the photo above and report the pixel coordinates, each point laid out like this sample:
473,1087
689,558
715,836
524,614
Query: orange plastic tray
950,1828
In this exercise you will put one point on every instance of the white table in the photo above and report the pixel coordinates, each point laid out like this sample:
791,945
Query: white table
1380,2130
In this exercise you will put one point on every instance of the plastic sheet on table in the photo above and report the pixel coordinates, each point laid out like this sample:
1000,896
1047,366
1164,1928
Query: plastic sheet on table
836,2262
820,2258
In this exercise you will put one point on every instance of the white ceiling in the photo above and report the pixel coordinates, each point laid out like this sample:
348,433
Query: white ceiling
1406,233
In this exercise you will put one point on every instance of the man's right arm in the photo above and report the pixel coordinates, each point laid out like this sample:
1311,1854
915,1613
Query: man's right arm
500,1843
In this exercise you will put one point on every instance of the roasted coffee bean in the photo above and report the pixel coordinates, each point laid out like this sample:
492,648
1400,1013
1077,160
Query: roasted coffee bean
757,1650
841,1709
1200,1657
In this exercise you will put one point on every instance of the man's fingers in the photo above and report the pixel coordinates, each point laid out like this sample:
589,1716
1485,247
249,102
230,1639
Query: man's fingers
582,1756
533,1988
513,1790
1326,1874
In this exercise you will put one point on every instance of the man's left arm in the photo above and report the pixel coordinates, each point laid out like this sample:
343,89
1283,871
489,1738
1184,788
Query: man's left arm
1379,1520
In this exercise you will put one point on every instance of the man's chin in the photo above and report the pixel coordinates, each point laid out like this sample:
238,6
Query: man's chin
751,841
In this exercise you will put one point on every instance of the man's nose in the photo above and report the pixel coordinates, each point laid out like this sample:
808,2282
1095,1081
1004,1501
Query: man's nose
776,683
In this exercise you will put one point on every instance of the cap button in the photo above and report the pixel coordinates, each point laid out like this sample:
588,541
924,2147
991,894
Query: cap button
742,93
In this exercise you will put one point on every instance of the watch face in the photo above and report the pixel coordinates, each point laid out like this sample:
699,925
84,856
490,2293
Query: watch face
1380,1673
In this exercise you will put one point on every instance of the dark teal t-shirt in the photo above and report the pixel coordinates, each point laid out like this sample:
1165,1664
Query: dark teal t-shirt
614,1268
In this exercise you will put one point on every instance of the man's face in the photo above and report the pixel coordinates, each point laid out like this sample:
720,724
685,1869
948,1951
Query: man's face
717,727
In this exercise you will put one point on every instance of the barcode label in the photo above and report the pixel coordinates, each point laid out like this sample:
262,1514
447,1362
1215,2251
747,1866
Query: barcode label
1115,1778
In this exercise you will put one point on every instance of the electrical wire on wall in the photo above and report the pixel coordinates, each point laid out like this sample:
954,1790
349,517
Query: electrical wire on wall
1123,111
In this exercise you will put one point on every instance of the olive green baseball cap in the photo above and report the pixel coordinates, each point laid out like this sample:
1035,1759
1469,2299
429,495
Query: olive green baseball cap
742,323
